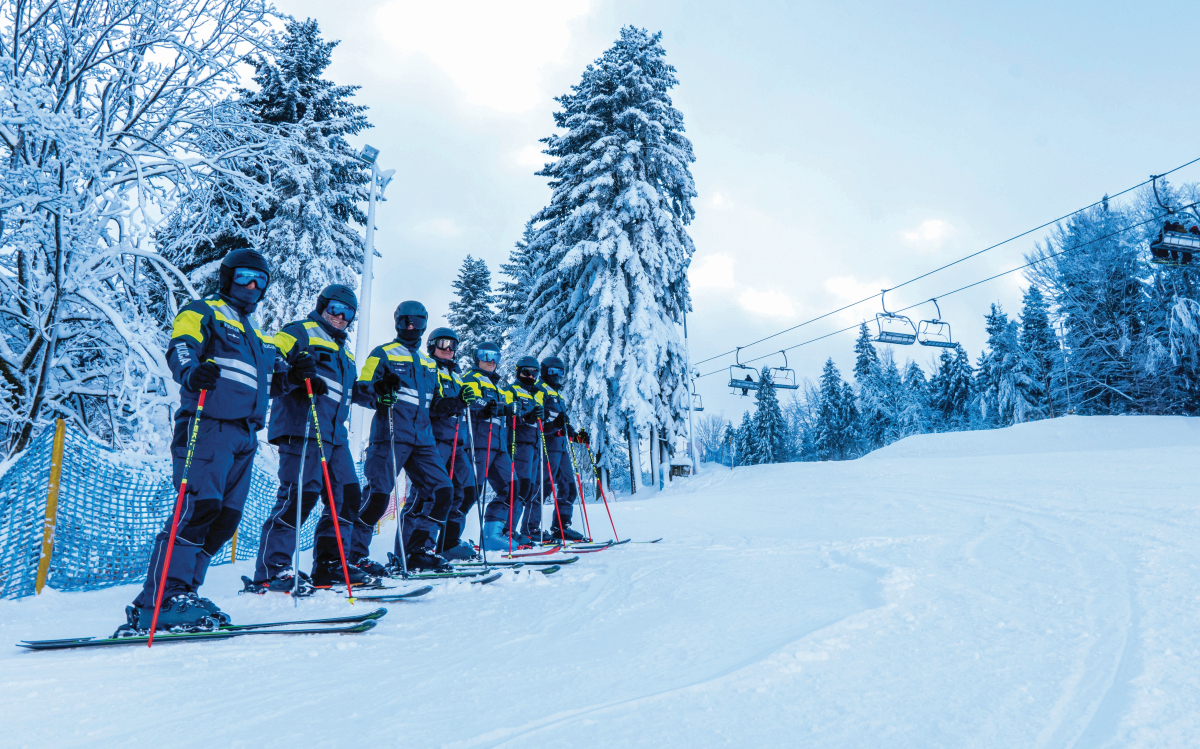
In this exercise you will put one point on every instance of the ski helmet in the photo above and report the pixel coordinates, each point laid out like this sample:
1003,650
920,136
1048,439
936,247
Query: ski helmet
527,362
411,313
553,370
338,293
487,351
243,258
438,334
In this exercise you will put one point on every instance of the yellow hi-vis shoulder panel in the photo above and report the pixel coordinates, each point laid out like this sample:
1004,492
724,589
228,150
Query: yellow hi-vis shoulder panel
285,342
318,337
224,313
368,370
188,323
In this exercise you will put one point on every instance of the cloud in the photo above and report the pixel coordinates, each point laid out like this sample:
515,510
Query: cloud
532,157
719,201
767,303
493,51
440,227
712,272
929,235
849,289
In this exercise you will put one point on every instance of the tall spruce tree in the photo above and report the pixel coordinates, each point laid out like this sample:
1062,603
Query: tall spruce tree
307,230
745,449
1007,390
952,390
1041,345
471,313
612,249
915,415
770,427
512,300
866,358
837,417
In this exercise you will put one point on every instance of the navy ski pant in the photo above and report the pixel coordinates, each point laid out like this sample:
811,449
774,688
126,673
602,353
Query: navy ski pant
422,507
218,483
495,466
278,540
563,475
527,515
426,469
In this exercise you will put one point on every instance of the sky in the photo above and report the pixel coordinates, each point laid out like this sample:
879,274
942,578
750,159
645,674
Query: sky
841,148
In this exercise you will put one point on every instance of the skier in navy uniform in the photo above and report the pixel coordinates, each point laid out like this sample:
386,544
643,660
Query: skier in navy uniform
558,431
450,431
315,348
217,346
527,515
400,379
491,415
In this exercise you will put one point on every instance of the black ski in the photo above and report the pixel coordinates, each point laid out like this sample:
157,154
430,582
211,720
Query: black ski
406,596
647,542
489,579
515,565
550,570
193,636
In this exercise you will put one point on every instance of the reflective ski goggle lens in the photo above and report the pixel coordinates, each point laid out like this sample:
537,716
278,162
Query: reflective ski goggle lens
487,355
527,372
446,344
244,277
417,321
340,308
555,371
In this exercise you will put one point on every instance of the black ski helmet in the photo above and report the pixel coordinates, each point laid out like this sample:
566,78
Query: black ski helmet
336,292
527,362
440,333
487,346
418,316
555,362
243,258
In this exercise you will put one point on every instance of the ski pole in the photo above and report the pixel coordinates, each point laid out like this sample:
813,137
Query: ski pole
512,477
579,483
541,485
475,478
299,503
600,486
333,508
162,580
553,488
453,455
487,469
395,481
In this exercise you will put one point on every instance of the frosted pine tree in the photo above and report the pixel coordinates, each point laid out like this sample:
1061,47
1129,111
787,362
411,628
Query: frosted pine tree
866,358
914,416
770,427
881,396
512,300
612,249
745,447
1008,392
951,390
1041,344
471,314
836,427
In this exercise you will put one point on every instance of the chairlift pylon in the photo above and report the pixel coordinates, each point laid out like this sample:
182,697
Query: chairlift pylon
1176,241
783,377
892,327
935,332
742,377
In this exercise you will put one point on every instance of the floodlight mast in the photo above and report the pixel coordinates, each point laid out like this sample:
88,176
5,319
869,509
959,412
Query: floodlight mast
362,347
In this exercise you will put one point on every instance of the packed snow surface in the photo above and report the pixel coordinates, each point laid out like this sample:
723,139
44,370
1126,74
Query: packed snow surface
1037,586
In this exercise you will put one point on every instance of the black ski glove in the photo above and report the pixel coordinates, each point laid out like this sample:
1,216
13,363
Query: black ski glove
446,406
486,412
570,433
582,437
510,410
303,367
385,389
536,414
468,396
203,376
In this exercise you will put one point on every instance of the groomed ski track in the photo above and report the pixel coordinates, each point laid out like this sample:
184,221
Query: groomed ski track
1037,586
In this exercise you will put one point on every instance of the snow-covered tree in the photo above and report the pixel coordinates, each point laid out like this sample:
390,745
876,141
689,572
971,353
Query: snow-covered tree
512,300
611,249
770,428
710,431
881,395
1007,391
951,390
744,448
866,358
112,113
471,314
914,415
307,226
837,417
1041,345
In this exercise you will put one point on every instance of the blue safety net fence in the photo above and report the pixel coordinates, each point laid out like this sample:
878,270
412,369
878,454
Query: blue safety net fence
109,511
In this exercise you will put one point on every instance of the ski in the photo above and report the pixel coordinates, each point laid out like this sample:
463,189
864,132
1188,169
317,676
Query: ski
407,595
523,554
192,636
550,570
433,576
589,547
489,579
516,565
647,542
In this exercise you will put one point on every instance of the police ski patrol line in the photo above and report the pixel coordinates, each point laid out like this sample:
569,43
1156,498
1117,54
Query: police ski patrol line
216,346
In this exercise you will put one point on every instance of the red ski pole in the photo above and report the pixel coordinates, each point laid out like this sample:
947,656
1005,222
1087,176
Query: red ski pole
600,486
333,508
553,488
579,483
162,580
512,475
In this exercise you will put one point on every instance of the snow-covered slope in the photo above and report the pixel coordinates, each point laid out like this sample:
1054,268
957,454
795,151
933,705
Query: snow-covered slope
1035,586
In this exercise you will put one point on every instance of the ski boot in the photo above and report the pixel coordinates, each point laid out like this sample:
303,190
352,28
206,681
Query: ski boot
461,553
424,560
179,613
283,581
567,535
494,538
213,610
394,567
367,565
329,573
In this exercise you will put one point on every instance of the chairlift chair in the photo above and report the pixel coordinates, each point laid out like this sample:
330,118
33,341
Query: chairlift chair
742,377
893,328
782,377
1176,241
935,332
697,402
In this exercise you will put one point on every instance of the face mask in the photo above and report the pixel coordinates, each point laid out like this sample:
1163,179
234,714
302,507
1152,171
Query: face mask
411,338
247,297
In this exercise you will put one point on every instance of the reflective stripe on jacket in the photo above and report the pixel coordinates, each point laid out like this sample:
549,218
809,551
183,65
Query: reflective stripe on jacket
418,381
488,387
290,416
445,422
212,329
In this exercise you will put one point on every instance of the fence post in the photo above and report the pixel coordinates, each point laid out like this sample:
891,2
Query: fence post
233,548
56,456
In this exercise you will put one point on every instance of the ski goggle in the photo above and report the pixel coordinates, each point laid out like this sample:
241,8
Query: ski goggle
530,372
246,276
487,355
555,372
335,308
417,321
446,344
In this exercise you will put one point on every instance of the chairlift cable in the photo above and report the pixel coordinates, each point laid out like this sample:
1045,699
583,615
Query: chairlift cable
948,265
